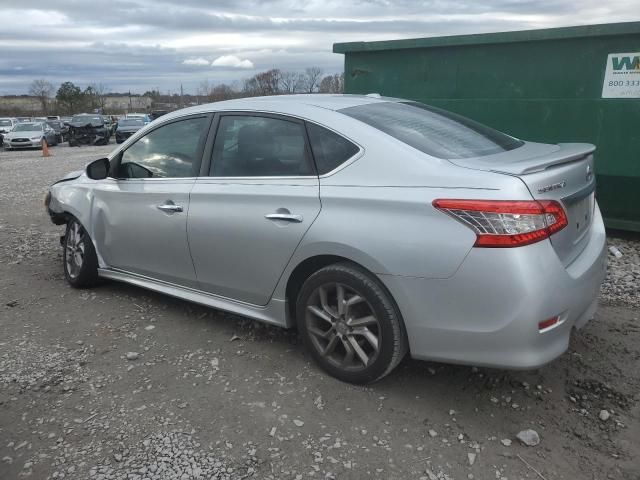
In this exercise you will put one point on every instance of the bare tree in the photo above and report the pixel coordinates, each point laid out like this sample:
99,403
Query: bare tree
204,90
290,82
263,83
311,79
332,84
42,89
100,91
221,92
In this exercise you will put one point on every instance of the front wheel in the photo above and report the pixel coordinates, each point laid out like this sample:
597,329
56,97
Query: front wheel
79,257
350,324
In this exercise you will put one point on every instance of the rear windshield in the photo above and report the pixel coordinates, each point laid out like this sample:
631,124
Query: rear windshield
5,123
94,120
433,131
130,122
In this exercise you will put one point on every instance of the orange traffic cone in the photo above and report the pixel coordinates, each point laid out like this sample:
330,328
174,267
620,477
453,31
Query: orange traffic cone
45,148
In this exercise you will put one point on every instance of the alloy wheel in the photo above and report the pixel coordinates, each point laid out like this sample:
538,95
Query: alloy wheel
75,245
342,326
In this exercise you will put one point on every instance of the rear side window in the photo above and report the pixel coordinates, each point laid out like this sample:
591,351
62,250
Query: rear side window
254,146
330,150
433,131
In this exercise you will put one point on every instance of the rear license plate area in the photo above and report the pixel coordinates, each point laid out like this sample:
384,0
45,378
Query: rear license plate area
581,213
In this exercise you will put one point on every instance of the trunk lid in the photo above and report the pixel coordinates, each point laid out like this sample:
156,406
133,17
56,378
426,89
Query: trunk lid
562,172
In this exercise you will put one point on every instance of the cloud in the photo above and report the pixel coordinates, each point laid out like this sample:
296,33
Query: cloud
231,61
143,44
198,62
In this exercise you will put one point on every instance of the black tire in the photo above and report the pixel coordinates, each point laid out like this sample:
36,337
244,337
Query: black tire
388,330
86,274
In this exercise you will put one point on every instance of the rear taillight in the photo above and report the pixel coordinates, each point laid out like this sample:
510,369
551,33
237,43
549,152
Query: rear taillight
506,223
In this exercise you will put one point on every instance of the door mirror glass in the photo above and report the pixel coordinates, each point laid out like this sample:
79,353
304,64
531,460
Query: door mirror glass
98,169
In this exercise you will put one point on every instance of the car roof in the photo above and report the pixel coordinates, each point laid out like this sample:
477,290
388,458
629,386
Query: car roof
287,103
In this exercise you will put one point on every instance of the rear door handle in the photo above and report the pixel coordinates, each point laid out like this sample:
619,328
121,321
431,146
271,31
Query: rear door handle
287,217
170,207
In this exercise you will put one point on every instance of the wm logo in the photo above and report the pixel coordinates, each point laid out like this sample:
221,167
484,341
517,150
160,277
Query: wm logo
626,63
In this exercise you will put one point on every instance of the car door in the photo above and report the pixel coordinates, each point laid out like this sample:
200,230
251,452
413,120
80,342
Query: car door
140,213
250,210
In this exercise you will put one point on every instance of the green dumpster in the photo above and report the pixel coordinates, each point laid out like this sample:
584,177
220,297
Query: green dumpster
574,84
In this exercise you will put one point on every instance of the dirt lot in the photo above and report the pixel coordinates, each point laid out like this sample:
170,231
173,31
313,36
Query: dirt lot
117,382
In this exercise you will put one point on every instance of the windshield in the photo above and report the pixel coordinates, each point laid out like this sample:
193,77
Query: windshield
27,127
87,119
5,123
433,131
130,122
54,124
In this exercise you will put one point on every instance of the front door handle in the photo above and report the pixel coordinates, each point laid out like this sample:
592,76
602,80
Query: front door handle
170,207
287,217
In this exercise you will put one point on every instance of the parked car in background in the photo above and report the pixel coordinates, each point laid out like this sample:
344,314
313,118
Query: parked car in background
88,129
53,117
157,114
145,118
377,226
60,128
29,135
6,125
127,127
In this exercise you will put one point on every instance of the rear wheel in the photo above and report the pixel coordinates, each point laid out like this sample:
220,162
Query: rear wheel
79,257
350,324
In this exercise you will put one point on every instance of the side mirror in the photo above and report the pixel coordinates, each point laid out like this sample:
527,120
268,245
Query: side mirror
98,169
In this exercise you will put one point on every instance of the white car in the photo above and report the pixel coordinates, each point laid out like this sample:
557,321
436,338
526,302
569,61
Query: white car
29,135
6,125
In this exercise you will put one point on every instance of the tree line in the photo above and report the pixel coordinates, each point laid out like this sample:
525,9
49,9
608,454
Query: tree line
275,82
69,98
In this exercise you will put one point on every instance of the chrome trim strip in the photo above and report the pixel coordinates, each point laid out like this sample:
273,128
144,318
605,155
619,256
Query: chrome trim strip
223,180
157,179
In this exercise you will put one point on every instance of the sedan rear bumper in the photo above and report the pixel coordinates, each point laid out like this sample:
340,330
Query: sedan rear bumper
487,313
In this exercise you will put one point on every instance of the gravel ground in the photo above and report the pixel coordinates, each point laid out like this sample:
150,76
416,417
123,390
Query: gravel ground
622,285
121,383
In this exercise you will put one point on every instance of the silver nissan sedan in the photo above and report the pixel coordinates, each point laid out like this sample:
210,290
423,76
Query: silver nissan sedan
376,226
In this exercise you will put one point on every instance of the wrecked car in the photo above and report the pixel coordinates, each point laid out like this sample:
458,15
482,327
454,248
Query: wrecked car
88,129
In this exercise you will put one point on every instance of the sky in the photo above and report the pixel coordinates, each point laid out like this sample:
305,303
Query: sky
140,45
